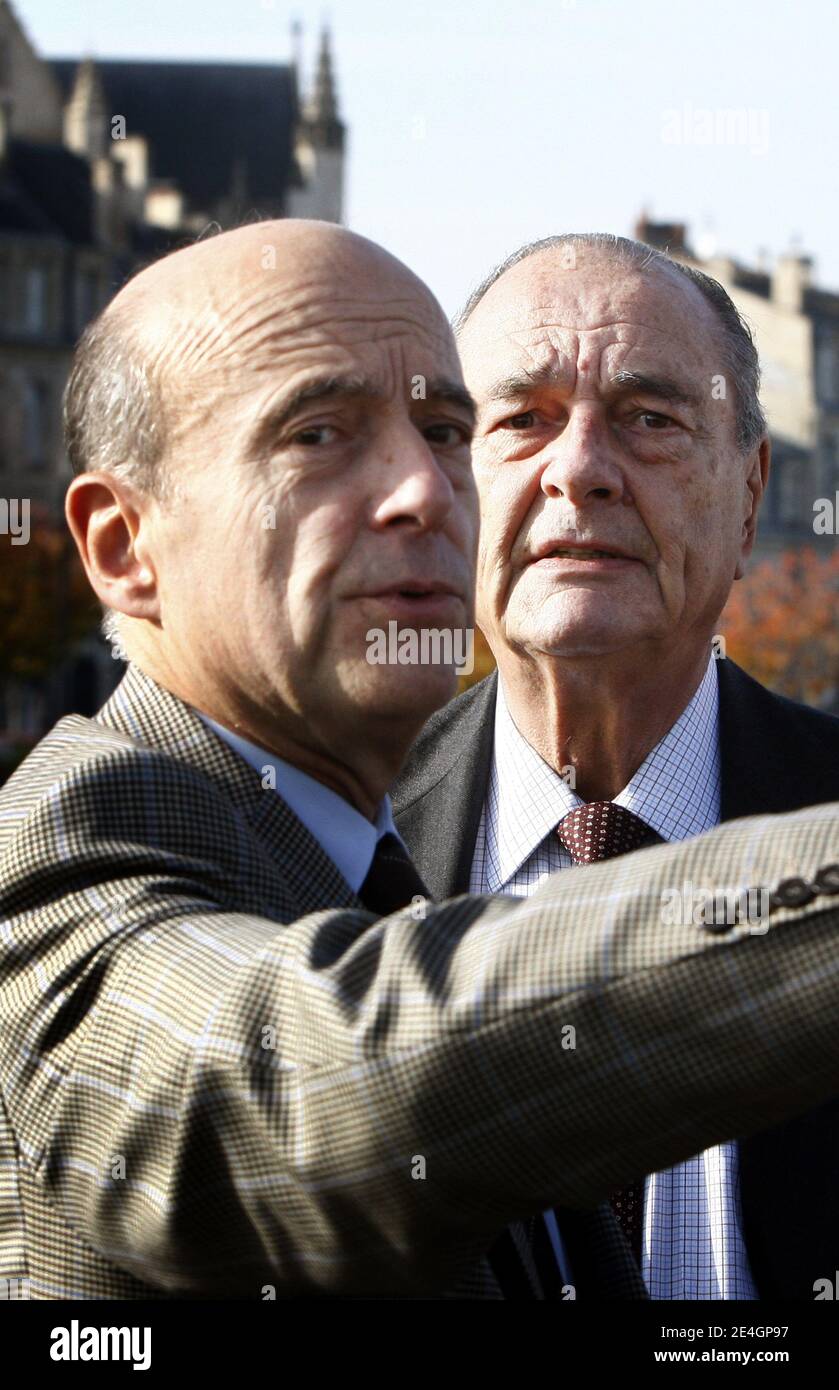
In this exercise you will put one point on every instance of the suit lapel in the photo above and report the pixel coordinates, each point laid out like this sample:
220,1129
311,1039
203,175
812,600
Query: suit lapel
440,796
602,1263
761,772
145,712
777,757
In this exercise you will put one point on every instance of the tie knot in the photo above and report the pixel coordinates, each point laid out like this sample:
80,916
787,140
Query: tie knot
601,830
392,881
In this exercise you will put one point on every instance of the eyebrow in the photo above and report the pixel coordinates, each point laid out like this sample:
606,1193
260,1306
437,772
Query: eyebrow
443,389
622,383
350,388
665,388
519,385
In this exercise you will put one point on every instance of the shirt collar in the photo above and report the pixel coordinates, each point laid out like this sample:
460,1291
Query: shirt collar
342,832
531,797
675,790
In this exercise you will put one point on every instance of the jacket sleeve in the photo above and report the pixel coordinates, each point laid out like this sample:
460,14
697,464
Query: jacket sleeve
338,1105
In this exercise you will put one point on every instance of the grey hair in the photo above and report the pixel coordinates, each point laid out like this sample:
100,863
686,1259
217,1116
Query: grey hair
110,630
114,409
742,363
115,418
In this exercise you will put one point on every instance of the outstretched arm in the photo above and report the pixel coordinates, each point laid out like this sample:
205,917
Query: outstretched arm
340,1105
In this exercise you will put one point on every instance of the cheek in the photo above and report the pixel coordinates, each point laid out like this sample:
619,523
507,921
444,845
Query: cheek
466,521
232,558
692,525
197,552
681,514
506,497
309,557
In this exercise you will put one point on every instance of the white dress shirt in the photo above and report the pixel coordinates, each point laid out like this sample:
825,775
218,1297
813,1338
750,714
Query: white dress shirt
341,831
693,1243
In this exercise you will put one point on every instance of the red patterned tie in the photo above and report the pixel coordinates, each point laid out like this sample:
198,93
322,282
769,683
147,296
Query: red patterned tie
594,831
601,830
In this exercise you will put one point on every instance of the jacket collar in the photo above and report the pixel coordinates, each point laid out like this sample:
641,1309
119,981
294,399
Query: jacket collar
439,796
140,711
772,757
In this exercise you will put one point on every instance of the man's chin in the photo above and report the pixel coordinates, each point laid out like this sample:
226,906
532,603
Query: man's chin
579,640
407,693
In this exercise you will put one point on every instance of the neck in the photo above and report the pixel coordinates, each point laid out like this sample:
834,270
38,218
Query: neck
601,716
364,787
358,755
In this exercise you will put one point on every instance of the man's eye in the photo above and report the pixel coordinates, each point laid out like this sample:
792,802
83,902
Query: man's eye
653,420
314,434
447,435
525,421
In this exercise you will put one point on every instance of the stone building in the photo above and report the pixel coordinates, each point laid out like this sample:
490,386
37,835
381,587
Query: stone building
196,143
106,165
796,329
103,167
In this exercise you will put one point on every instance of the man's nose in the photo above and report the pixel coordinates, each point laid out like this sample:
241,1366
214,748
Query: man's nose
583,462
411,488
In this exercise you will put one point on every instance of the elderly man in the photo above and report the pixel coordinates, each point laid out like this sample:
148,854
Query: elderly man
230,1063
621,456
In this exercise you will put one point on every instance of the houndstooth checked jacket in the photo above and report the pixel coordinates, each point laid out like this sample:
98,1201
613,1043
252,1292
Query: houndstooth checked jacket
218,1072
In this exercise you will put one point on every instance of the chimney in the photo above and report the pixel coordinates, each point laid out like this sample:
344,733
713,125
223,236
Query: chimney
86,129
790,279
664,236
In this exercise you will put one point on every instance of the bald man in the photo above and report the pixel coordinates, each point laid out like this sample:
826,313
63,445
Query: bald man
241,1055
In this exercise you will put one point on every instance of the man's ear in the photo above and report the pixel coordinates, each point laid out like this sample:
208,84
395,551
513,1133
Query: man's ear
755,483
109,521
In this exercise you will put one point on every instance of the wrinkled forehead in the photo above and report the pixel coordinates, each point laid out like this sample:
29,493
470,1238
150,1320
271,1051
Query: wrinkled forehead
233,317
553,306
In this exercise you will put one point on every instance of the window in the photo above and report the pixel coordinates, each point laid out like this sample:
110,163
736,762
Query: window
6,309
35,395
87,297
827,370
35,299
795,493
11,423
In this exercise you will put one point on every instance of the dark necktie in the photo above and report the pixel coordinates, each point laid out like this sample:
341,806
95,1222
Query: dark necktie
594,831
392,881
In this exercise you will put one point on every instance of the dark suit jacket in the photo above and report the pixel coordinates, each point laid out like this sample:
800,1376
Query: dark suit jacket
776,756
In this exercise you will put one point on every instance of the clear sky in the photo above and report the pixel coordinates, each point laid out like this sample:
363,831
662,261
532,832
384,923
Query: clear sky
476,127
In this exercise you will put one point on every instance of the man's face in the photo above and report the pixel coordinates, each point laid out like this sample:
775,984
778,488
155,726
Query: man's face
323,462
613,498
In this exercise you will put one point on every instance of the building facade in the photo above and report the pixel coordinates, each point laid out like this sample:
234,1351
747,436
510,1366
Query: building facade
105,166
796,330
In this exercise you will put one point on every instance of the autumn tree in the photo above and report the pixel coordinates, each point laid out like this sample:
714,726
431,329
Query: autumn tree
484,663
46,604
781,623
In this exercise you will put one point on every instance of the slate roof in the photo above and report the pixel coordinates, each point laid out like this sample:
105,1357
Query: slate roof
46,191
201,120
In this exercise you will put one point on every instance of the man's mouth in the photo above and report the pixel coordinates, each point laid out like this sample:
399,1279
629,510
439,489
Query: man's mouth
580,553
416,590
417,593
